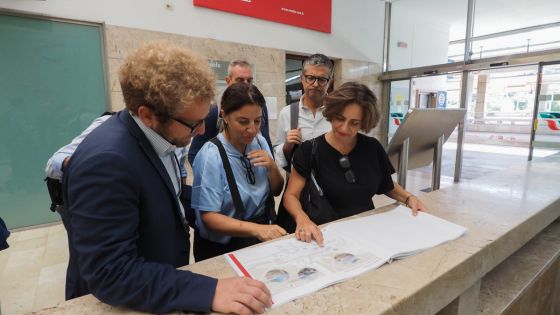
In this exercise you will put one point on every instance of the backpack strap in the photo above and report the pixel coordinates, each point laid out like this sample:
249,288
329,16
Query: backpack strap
239,208
294,115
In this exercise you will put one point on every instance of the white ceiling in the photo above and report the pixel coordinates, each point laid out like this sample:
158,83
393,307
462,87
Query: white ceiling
491,16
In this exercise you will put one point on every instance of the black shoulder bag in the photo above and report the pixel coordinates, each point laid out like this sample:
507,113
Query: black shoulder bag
312,199
54,187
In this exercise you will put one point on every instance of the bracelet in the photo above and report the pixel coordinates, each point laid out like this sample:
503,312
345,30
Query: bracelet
407,199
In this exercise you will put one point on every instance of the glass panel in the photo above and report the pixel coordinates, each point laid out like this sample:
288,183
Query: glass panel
499,113
421,32
52,87
522,42
502,107
443,91
498,127
528,26
399,102
547,135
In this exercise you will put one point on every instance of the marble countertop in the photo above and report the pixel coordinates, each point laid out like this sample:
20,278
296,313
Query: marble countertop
501,211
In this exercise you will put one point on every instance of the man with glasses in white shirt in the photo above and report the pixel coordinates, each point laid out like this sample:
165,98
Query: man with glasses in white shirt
316,77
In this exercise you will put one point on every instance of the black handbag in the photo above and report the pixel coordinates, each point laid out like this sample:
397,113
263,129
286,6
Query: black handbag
312,199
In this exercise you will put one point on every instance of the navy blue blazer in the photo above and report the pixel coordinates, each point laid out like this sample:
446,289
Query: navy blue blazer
211,130
125,232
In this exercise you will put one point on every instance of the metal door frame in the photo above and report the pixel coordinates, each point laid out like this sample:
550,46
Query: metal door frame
541,65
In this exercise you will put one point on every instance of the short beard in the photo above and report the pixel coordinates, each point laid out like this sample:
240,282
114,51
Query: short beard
163,131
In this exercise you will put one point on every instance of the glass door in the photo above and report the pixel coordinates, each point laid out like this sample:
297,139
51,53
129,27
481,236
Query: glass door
545,137
399,103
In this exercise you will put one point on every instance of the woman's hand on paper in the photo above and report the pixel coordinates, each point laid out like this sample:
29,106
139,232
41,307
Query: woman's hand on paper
267,232
306,231
416,205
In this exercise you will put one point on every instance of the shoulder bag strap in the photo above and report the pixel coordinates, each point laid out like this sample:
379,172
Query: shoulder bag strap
312,159
239,208
294,113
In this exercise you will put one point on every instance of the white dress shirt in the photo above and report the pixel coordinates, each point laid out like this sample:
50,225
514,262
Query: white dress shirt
311,126
54,164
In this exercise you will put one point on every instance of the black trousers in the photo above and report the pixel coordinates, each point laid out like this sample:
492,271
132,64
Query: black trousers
204,249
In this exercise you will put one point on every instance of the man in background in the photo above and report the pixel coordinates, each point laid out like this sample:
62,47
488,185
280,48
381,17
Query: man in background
316,76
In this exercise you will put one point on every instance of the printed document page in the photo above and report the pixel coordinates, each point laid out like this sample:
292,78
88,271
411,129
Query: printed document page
398,232
291,268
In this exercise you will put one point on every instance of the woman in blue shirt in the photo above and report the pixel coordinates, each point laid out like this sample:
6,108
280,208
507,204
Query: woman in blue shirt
219,229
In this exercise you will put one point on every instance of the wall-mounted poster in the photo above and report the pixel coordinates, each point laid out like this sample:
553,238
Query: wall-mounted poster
315,15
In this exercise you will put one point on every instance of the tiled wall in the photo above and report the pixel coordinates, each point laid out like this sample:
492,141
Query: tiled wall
270,64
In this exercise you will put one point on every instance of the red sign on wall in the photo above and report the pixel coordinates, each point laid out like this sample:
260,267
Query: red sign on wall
311,14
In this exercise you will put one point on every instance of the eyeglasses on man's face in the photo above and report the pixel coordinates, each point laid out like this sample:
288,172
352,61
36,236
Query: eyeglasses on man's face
192,125
310,79
349,175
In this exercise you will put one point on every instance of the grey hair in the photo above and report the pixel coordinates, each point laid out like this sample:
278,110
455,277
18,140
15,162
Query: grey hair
238,62
319,60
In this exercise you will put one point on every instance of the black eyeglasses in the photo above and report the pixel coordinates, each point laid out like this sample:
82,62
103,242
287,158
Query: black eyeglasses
250,175
193,127
310,79
349,175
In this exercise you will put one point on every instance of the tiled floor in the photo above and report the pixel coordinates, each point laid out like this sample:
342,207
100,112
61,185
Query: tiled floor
32,270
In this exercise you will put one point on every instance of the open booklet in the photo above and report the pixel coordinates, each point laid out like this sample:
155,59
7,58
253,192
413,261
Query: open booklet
291,268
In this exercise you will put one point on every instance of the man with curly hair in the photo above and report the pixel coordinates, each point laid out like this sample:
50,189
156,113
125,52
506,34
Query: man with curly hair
126,224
